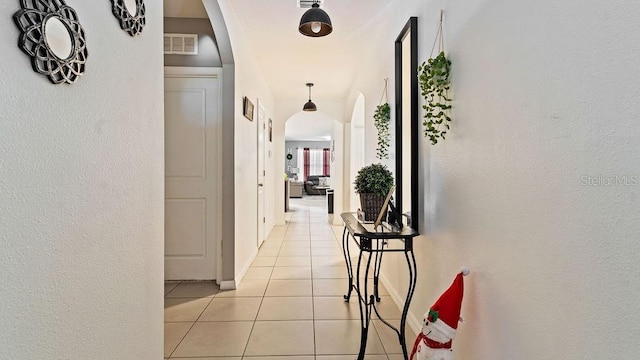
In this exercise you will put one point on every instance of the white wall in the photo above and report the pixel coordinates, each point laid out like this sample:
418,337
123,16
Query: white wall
356,152
81,197
249,82
545,93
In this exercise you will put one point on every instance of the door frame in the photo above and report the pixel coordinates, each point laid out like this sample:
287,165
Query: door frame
204,73
261,128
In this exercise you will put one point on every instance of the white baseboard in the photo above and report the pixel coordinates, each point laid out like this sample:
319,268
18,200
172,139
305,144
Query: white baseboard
228,285
414,323
233,284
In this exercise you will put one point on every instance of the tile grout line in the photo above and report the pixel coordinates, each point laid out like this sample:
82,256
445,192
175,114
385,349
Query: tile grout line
192,325
246,346
313,302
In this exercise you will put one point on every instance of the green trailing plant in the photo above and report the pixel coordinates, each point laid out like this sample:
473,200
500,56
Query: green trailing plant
434,79
373,179
381,118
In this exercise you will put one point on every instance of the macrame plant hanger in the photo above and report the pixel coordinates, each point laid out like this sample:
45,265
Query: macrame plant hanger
383,98
439,40
435,83
381,121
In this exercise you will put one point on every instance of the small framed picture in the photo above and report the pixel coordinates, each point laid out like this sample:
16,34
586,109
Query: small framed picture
270,130
247,108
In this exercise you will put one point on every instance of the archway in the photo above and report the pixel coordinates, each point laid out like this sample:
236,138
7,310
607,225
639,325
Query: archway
312,130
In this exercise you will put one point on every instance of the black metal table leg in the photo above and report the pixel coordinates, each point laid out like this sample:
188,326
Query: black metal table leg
376,269
364,302
413,274
347,260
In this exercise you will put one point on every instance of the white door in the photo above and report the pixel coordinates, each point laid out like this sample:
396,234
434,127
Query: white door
192,175
261,172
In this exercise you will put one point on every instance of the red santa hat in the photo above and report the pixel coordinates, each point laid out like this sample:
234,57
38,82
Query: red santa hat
445,313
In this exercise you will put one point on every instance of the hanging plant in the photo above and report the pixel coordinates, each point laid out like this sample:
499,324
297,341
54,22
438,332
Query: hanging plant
433,77
381,119
435,82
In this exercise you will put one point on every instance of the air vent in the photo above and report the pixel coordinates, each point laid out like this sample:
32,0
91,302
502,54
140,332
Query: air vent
181,44
306,4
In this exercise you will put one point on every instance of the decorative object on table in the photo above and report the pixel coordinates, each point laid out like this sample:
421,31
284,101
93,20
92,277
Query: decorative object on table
440,324
131,14
52,35
434,79
247,108
381,118
315,22
373,183
309,105
382,216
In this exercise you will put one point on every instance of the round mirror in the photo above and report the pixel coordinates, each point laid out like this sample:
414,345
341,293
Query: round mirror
132,7
58,38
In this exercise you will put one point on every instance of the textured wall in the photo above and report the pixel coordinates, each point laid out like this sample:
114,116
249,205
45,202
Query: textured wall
81,197
545,113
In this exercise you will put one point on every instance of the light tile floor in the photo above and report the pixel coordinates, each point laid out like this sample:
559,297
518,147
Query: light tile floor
289,305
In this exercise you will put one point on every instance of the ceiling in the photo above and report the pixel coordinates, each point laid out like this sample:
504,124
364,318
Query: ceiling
309,126
184,9
289,59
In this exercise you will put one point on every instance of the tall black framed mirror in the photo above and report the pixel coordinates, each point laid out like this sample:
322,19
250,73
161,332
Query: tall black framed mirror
407,126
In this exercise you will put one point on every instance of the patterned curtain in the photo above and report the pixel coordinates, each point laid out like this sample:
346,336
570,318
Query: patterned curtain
306,163
326,156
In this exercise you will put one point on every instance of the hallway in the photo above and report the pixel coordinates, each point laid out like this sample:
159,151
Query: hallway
289,305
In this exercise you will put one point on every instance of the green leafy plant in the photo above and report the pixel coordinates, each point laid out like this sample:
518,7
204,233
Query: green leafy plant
373,179
381,118
433,76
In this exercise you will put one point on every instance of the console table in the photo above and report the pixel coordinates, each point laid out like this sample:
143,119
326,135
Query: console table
375,243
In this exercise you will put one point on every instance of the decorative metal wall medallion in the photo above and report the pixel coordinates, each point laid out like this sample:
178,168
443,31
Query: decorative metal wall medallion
52,35
131,20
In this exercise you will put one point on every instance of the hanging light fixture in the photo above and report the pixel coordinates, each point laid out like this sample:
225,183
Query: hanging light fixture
315,22
309,106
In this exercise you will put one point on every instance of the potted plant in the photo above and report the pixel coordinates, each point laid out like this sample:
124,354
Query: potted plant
373,183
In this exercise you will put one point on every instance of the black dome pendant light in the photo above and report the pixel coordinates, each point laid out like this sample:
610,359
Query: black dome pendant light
309,106
315,22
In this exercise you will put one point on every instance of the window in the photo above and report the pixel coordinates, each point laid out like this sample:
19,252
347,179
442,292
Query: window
314,161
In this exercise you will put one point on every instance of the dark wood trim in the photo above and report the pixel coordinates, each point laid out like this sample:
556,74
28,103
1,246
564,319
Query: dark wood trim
410,29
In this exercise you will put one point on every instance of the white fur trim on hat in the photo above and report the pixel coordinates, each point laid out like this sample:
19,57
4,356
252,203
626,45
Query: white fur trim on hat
442,326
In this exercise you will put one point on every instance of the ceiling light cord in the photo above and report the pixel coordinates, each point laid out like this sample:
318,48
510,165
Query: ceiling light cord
309,105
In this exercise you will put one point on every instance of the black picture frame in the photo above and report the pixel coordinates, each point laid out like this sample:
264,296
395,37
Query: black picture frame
247,108
409,30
